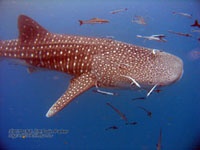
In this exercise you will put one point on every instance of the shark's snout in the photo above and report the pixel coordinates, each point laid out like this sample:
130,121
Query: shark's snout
178,69
172,70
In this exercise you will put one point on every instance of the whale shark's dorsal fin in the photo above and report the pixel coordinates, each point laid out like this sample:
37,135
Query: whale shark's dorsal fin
29,29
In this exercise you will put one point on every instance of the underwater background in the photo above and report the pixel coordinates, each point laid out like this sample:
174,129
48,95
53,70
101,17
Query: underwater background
87,122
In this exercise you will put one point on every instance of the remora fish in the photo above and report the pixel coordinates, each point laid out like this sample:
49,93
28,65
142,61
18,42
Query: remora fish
93,21
91,61
159,37
182,14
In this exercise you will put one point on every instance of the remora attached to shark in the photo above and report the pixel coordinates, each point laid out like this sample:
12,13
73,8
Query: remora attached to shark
91,61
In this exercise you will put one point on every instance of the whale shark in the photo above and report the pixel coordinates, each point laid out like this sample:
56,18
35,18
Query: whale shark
91,61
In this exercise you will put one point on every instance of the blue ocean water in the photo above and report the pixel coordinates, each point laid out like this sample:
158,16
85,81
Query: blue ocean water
25,98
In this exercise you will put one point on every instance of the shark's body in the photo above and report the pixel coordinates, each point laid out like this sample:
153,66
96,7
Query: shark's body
91,61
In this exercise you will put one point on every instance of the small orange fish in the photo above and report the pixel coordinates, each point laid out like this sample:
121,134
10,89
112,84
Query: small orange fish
93,21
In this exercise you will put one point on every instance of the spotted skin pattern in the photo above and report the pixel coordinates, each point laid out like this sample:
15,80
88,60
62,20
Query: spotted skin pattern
91,61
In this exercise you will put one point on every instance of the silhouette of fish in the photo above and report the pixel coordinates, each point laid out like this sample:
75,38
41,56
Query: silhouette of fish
91,61
118,111
149,113
180,33
139,98
112,127
159,144
195,24
131,123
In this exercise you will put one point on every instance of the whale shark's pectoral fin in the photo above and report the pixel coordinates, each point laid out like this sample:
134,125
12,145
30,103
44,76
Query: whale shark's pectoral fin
77,86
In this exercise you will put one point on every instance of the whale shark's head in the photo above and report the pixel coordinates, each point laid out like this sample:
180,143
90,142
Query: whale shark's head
137,66
161,69
168,69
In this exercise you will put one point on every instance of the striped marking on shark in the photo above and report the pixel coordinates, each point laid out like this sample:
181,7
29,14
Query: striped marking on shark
91,61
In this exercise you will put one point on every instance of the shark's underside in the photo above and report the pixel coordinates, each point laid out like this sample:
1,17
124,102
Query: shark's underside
91,61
